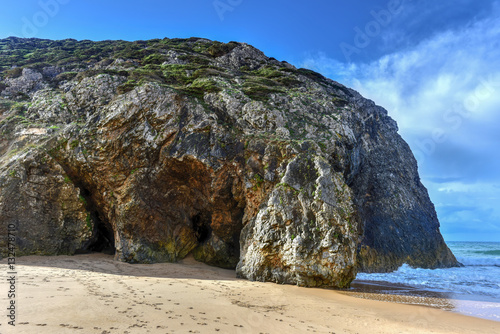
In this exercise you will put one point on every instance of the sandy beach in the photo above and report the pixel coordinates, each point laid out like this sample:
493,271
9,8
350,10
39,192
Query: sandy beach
95,294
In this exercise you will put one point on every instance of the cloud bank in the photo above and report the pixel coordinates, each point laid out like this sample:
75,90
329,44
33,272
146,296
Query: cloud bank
444,92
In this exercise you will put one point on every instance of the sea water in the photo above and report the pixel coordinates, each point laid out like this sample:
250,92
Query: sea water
475,287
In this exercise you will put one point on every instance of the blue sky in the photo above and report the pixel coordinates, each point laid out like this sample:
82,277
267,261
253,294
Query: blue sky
434,65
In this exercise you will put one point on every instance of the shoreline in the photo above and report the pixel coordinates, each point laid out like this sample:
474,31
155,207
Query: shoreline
94,294
469,305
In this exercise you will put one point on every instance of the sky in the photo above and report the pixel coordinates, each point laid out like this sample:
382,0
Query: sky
434,65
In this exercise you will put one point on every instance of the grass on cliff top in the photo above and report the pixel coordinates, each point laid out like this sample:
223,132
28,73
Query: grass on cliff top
143,62
38,53
191,79
259,92
33,52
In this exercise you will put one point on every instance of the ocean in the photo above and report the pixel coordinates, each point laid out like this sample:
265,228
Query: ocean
473,289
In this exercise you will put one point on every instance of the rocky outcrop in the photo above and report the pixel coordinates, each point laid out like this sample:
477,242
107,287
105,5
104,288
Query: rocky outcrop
46,208
154,150
400,224
303,233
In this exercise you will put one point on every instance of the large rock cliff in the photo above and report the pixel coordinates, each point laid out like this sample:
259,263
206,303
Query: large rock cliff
156,149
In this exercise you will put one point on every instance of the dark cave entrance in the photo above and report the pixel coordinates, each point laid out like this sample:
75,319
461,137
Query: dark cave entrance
201,228
103,239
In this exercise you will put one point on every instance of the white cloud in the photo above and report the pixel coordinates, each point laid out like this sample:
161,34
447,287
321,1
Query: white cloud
459,187
446,85
455,69
470,208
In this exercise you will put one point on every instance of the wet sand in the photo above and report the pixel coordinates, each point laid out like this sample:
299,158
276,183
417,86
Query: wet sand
95,294
473,305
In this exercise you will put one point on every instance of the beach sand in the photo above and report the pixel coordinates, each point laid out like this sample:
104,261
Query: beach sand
95,294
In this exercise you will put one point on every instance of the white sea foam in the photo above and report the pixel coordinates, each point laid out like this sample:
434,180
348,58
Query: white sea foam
479,276
479,261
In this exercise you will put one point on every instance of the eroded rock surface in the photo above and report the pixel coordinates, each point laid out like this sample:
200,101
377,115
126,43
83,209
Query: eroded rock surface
157,149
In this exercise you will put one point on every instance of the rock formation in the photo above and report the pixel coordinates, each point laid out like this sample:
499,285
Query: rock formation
156,149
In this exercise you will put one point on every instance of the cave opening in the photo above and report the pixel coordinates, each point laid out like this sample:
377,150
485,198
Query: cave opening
201,228
103,239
